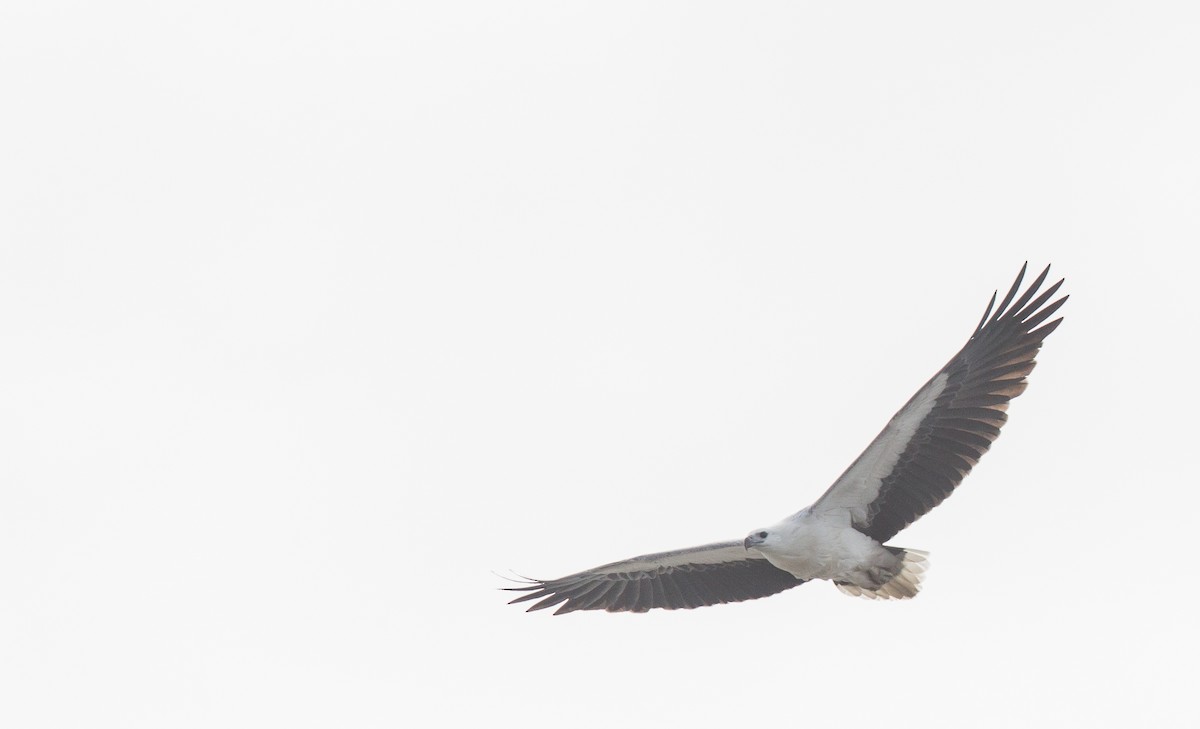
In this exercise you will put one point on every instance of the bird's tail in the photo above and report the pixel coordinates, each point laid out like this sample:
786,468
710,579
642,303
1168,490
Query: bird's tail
904,585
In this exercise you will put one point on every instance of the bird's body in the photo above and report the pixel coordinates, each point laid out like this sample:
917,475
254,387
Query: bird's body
918,459
824,547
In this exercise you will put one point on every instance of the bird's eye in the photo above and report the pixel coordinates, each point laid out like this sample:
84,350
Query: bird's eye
762,535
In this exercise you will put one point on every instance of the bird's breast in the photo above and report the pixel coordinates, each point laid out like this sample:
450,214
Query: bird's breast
812,548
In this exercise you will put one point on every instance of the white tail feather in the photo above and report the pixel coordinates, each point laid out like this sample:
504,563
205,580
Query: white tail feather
904,585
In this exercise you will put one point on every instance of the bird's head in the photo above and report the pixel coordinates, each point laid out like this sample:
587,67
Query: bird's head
759,538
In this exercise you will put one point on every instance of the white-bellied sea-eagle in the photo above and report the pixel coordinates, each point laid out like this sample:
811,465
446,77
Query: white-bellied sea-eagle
920,457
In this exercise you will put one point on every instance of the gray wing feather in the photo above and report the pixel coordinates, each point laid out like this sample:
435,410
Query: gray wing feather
685,578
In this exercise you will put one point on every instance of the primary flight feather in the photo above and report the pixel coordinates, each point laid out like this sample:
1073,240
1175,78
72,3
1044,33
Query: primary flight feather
922,454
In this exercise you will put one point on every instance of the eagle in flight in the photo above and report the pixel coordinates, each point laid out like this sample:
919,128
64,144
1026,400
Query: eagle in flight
923,453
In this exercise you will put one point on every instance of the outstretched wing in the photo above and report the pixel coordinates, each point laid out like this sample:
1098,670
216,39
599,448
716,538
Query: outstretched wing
930,445
685,578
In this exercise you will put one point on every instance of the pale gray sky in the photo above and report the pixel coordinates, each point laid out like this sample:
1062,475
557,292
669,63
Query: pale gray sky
315,315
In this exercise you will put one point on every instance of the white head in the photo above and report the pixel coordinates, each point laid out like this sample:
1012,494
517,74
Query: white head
761,539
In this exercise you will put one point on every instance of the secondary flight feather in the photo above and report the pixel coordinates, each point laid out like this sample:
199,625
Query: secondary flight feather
919,458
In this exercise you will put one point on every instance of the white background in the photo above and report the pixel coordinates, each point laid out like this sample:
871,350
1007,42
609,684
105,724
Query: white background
315,315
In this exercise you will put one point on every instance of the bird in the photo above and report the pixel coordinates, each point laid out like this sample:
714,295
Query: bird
916,461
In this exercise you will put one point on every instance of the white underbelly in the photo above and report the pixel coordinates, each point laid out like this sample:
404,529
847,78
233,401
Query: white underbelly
817,550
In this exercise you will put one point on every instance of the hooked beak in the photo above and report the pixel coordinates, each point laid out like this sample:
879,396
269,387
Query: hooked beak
752,541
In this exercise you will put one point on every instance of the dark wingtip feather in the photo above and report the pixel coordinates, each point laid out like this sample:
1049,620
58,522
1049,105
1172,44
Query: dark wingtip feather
1043,332
1011,293
986,312
525,598
1024,312
1041,316
1019,305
